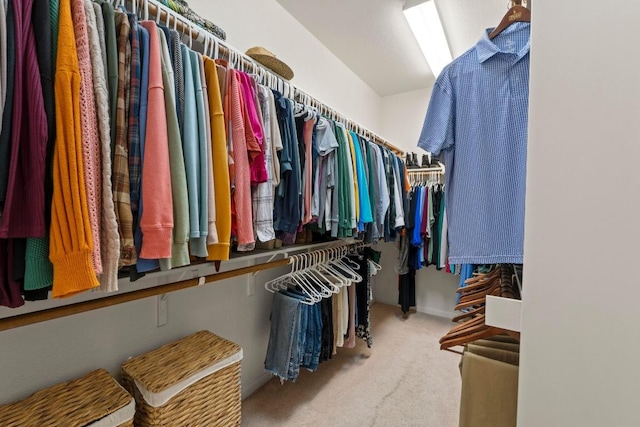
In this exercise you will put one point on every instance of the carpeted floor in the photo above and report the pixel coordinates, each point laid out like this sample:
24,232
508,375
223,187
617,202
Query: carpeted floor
403,380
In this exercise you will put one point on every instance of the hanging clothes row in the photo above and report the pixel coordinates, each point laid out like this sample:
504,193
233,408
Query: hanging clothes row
127,152
320,306
425,241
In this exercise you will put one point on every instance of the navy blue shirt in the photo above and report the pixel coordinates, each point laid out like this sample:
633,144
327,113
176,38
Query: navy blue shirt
287,213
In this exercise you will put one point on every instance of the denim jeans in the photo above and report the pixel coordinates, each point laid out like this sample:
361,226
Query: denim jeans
284,336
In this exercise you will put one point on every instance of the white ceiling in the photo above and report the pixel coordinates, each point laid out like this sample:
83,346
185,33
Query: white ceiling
373,39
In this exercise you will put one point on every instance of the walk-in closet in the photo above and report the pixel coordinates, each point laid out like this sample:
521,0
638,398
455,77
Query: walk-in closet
294,213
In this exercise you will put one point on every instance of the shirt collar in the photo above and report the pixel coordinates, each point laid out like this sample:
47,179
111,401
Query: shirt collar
486,48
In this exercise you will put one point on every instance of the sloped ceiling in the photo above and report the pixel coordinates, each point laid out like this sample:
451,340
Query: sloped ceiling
373,38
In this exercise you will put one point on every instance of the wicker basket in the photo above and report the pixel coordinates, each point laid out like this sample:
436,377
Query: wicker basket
95,398
192,382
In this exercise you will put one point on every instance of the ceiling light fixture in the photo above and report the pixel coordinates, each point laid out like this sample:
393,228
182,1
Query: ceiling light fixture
425,23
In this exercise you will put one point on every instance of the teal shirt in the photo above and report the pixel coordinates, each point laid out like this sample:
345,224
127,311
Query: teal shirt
199,243
191,149
363,186
179,249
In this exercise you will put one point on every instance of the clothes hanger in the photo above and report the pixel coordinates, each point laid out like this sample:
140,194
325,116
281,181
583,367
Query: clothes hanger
517,13
465,327
329,269
348,268
468,314
306,282
205,47
478,281
323,281
479,332
306,288
168,16
479,298
273,284
501,286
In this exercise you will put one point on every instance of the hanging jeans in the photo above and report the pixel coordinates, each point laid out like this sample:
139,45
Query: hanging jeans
284,335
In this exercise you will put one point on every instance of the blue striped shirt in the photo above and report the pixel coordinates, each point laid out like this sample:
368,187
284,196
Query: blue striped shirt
477,124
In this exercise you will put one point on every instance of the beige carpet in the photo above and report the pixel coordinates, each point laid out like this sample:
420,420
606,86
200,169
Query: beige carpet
403,380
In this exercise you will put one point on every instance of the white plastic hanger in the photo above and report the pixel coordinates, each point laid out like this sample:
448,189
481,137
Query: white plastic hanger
328,268
321,280
205,45
303,281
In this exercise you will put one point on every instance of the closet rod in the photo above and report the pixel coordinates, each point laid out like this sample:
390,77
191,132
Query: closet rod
425,170
81,307
186,27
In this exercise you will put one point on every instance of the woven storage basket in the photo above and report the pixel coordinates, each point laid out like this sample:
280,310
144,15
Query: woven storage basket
95,400
192,382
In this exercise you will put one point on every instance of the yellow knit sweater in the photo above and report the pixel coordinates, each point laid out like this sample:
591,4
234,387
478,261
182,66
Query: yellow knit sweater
219,251
71,239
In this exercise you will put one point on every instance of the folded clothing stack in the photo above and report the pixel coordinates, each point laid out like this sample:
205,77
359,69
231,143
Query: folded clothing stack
182,7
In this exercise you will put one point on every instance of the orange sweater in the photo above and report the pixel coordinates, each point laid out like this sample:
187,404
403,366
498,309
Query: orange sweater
71,239
219,251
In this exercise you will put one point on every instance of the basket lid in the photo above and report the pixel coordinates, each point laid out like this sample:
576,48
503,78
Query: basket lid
177,362
81,402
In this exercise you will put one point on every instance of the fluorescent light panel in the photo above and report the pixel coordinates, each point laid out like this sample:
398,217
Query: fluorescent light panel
427,29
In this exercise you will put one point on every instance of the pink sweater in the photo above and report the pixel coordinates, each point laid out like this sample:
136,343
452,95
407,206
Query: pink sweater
89,125
242,192
157,215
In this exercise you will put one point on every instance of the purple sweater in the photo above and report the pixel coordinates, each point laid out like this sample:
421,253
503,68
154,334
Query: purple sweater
23,214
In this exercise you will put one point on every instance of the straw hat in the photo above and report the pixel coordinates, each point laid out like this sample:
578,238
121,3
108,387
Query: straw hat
270,61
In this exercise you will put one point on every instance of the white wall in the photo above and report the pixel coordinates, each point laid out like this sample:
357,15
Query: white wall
317,71
402,116
40,355
580,339
43,354
435,290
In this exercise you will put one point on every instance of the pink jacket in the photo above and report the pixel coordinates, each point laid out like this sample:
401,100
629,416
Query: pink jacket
242,192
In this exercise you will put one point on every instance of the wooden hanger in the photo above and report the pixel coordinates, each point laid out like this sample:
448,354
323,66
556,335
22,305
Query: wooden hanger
517,13
463,328
478,281
477,334
467,303
469,314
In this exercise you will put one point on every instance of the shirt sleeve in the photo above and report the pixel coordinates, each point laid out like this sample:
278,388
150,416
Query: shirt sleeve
439,124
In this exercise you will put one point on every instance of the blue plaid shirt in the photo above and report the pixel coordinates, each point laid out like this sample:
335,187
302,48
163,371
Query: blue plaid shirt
477,124
135,155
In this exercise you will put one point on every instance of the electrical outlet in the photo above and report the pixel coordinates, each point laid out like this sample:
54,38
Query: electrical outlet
163,309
